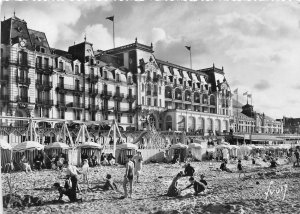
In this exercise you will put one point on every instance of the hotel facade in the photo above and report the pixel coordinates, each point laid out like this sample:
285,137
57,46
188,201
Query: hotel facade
127,84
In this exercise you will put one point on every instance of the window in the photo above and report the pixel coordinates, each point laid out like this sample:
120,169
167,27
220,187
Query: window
129,119
39,62
23,92
61,65
105,75
130,92
76,69
23,58
92,71
129,80
149,102
143,100
46,62
143,87
61,81
155,102
160,103
118,77
62,114
117,90
43,50
77,115
77,85
159,90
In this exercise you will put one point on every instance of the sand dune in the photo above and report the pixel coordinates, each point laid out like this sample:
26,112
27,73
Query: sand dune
226,192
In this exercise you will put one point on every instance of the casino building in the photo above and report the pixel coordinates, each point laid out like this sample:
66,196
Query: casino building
127,83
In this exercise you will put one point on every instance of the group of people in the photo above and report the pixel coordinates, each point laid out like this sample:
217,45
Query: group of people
107,160
92,159
198,186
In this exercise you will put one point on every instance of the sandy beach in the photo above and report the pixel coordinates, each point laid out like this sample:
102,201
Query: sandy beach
226,193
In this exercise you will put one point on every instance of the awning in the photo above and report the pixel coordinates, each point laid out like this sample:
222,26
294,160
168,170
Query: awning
176,72
185,75
203,81
194,77
167,70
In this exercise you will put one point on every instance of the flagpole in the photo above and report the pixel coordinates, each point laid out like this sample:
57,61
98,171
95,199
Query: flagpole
237,117
191,57
114,32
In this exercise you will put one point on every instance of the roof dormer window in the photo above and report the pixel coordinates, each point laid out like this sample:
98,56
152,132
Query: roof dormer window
43,50
19,29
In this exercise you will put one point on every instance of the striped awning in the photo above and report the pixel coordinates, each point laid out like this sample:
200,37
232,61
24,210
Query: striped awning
194,77
185,75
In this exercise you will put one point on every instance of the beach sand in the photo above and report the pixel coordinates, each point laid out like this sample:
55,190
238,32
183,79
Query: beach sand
226,192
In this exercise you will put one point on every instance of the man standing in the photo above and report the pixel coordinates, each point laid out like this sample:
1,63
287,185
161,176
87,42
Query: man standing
128,177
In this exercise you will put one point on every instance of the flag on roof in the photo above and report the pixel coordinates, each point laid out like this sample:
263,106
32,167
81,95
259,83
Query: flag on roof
188,47
111,18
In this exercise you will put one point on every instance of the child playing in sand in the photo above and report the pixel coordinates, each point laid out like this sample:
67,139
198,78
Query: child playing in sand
198,186
85,171
173,191
202,180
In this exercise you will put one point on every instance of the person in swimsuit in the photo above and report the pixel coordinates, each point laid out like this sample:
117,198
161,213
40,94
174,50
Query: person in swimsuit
128,177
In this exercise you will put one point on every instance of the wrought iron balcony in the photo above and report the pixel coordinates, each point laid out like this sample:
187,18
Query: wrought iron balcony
44,85
93,78
106,95
93,91
63,88
22,63
43,68
23,99
93,107
61,104
119,96
75,105
3,79
155,93
44,102
131,98
23,80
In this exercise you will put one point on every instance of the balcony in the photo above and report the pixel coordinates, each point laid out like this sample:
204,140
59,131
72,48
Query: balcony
44,102
118,96
75,105
3,79
106,95
4,98
23,80
93,107
93,78
43,68
93,92
63,88
61,104
131,98
43,85
21,63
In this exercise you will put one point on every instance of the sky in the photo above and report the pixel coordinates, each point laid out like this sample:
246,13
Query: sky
257,43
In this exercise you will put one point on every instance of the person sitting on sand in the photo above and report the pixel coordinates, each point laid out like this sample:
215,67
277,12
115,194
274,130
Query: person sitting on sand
25,165
173,191
111,159
273,162
189,170
202,180
223,167
128,177
189,157
240,168
65,191
198,186
38,161
109,184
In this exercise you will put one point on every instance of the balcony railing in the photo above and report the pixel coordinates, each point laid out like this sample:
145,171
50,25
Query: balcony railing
93,91
44,102
131,98
93,107
18,62
75,105
61,103
106,94
119,96
3,79
74,88
93,78
44,68
23,80
4,98
44,84
23,99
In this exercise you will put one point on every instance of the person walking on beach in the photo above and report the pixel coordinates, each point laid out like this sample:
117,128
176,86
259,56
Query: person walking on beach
198,186
128,177
72,174
138,160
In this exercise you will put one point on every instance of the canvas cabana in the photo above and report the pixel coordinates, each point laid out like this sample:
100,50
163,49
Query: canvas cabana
196,150
89,148
6,153
179,149
30,149
123,150
54,149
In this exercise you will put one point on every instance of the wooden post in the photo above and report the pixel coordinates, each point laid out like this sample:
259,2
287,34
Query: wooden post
114,137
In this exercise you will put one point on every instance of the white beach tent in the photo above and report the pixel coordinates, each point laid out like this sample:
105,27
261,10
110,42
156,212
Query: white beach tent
196,150
178,148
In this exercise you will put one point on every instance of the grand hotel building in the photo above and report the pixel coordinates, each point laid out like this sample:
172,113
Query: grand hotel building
126,83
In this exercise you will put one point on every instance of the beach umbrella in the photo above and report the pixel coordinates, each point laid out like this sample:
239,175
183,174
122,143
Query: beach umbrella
127,146
57,145
89,145
28,145
5,145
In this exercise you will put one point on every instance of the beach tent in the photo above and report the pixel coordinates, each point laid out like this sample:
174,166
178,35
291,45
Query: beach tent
29,148
89,148
5,152
54,149
243,151
180,149
123,150
196,150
